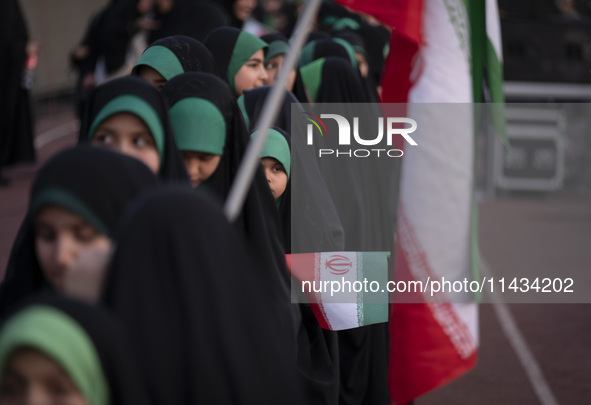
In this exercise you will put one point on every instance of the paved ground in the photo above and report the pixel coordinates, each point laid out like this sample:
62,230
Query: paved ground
56,129
542,233
545,233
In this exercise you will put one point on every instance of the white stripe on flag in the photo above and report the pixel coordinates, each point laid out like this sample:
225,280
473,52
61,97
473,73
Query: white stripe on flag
436,186
493,28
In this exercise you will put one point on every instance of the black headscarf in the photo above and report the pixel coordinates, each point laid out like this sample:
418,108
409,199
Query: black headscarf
318,226
213,331
315,214
195,19
100,182
314,35
115,32
110,93
185,52
231,48
324,48
258,218
377,40
97,327
338,48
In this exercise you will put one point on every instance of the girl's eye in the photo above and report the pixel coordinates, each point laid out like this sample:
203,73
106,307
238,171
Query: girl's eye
278,169
45,234
143,141
103,138
270,66
86,234
59,390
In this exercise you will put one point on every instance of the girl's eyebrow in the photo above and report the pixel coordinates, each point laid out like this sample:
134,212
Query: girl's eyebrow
255,60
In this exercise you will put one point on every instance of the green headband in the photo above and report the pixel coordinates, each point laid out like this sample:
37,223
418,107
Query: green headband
350,50
198,125
246,45
307,54
344,23
276,146
161,59
65,199
312,76
276,48
58,336
128,103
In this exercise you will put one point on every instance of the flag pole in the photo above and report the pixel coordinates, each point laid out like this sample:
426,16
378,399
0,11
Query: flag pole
251,159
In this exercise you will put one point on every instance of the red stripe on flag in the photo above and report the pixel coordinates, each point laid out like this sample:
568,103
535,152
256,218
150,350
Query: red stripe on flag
422,357
429,344
302,267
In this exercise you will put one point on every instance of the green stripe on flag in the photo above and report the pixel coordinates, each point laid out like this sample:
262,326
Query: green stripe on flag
373,306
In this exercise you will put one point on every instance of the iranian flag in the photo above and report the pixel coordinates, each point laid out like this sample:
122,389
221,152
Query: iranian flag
438,51
345,289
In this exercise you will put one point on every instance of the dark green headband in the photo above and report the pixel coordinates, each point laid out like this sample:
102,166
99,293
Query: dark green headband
161,59
62,198
198,125
276,146
276,48
246,45
135,105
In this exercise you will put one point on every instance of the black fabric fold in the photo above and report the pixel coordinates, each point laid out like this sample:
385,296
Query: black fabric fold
104,181
211,329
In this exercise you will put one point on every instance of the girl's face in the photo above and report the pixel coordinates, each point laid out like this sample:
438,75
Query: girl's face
60,238
200,165
362,63
31,378
152,76
276,176
252,74
273,67
127,134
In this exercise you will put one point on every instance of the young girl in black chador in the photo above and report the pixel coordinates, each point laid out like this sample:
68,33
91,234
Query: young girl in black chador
130,116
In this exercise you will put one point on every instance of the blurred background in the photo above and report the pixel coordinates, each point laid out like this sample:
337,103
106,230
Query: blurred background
534,197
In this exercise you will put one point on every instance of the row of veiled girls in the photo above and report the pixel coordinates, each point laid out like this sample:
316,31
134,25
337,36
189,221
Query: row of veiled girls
180,305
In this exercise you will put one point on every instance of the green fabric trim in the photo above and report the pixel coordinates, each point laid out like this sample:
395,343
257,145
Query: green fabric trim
312,76
128,103
65,199
307,54
494,71
276,48
246,45
198,125
345,23
350,50
161,59
55,334
242,106
276,146
329,20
